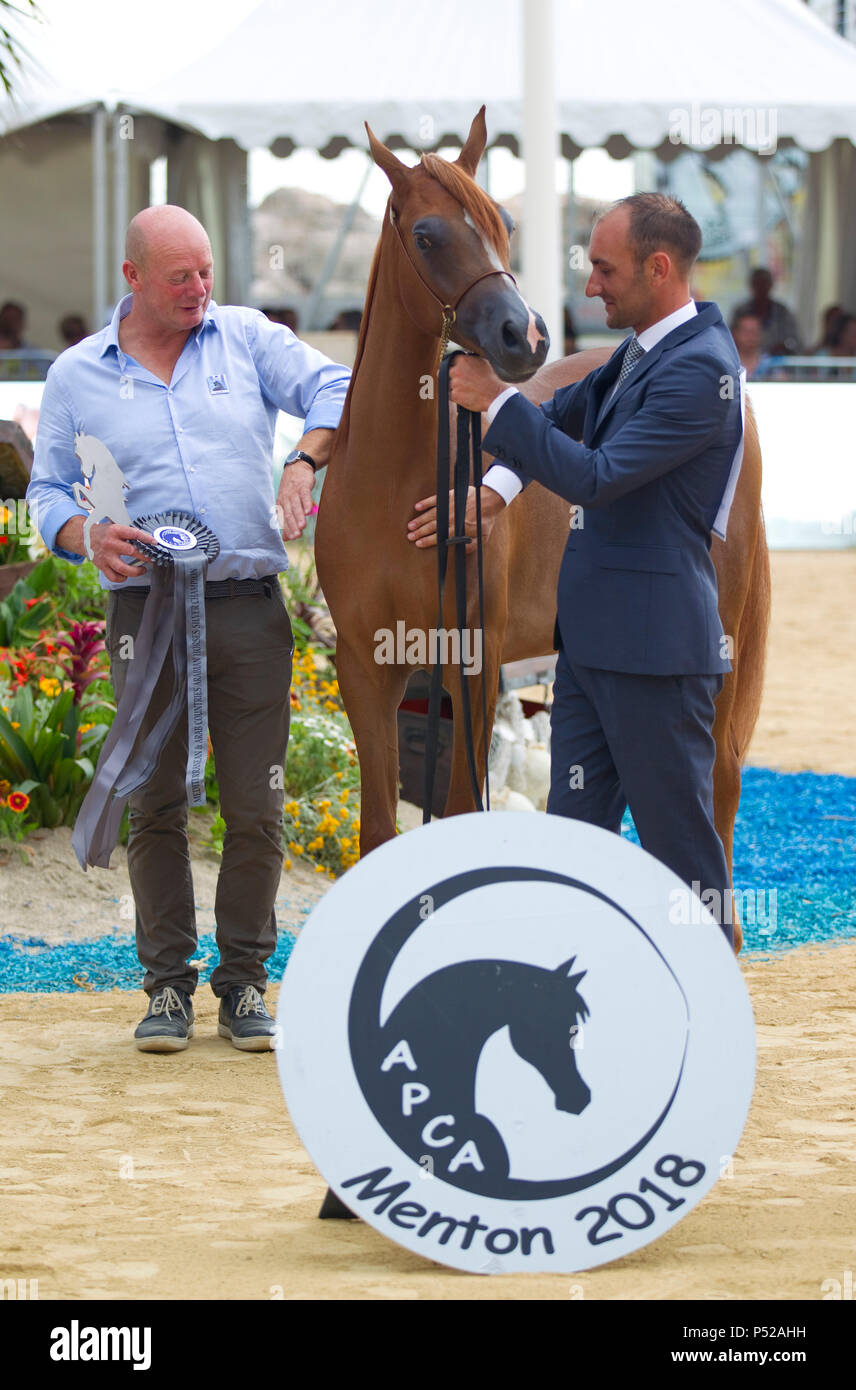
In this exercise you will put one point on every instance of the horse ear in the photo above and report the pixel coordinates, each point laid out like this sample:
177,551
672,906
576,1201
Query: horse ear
475,143
395,171
565,969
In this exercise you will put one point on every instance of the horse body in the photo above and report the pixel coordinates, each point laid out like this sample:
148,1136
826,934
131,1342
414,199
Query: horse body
384,460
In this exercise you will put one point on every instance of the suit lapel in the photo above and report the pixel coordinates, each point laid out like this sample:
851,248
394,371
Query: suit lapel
707,314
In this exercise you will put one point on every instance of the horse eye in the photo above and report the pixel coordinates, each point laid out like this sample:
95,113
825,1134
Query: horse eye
422,241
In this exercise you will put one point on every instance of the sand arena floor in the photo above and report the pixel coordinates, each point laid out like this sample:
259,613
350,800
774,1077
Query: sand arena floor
107,1154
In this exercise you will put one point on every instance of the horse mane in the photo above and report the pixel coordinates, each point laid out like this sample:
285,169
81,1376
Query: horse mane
472,199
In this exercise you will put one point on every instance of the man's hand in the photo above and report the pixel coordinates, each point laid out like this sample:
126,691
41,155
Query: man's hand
473,383
294,498
422,529
109,543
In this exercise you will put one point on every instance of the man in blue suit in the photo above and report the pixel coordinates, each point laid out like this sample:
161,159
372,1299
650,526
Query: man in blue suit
642,653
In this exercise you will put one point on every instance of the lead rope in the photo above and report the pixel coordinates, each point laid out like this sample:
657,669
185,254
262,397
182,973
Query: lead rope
468,449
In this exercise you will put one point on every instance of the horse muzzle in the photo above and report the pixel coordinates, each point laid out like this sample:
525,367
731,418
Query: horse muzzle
504,329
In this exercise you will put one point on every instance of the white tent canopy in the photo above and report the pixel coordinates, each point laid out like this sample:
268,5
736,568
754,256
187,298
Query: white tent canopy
296,74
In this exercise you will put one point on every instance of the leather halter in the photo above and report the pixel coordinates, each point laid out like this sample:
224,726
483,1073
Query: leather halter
449,310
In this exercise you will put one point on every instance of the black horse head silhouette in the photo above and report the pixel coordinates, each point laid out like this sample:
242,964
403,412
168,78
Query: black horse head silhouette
417,1070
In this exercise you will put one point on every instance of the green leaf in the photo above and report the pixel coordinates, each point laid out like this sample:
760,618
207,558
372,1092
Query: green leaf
16,761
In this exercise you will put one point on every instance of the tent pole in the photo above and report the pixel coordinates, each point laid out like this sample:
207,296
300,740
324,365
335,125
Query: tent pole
99,217
541,230
120,198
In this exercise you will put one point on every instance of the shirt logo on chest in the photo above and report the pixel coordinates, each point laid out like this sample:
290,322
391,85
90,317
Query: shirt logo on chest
218,385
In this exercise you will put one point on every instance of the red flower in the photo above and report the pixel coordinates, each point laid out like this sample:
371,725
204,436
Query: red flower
31,602
4,540
18,801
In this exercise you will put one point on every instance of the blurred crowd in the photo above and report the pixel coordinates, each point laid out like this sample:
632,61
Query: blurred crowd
764,330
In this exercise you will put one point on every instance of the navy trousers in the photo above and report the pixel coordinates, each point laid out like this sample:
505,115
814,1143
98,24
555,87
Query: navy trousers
645,742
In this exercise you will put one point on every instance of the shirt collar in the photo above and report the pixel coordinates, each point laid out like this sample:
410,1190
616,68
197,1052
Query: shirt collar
111,332
650,337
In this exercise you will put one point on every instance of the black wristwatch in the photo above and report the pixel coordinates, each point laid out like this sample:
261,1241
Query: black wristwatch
300,454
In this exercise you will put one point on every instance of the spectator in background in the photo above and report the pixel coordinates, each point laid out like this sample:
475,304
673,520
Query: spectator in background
747,332
570,333
13,319
829,318
72,329
348,321
779,332
288,317
842,339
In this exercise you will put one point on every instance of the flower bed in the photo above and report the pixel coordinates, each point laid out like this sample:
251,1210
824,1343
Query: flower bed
56,706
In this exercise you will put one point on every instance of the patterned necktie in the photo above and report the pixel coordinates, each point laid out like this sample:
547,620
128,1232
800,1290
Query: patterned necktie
631,357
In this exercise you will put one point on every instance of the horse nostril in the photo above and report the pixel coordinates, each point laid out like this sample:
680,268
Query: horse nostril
512,338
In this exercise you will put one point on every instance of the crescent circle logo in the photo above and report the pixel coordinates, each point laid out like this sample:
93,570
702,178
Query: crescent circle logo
174,537
500,1050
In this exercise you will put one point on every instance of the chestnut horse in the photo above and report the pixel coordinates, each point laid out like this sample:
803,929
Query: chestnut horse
442,243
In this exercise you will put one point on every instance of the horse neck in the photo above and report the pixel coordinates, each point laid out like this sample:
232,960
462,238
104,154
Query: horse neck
391,415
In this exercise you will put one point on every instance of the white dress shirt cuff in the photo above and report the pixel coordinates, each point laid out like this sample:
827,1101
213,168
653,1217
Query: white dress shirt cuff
503,481
498,402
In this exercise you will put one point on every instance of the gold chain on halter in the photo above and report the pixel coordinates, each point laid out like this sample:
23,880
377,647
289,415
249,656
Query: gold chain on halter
448,319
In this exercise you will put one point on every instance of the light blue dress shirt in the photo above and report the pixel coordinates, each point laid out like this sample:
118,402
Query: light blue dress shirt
202,444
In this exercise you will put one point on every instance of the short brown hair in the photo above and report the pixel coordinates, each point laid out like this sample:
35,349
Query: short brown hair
659,222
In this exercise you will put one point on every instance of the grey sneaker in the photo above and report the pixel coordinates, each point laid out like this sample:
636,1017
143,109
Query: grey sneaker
168,1023
244,1019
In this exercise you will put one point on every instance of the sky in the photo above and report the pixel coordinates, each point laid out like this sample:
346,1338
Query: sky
107,44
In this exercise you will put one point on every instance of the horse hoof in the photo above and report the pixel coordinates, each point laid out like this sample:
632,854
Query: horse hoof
332,1208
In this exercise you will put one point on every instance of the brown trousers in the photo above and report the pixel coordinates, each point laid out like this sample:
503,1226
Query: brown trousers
249,647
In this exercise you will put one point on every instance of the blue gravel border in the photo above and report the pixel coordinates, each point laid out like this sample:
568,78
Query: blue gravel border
795,858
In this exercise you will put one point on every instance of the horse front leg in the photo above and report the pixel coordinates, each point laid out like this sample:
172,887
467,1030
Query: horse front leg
372,693
460,798
726,784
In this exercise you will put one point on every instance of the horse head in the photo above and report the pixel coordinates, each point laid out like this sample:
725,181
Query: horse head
556,1011
453,240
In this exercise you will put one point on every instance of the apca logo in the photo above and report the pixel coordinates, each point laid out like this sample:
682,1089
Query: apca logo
563,1064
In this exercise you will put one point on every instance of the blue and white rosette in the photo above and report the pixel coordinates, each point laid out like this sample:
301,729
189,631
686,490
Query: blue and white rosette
173,616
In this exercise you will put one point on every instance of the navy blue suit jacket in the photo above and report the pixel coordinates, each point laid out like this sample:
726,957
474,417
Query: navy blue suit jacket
637,586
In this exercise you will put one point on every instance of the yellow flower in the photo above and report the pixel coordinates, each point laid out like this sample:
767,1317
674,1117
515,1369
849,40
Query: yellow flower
292,808
331,705
49,686
15,724
322,805
315,844
84,728
295,848
345,842
319,869
340,775
288,863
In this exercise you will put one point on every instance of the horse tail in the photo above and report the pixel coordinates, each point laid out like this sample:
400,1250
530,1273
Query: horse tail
752,646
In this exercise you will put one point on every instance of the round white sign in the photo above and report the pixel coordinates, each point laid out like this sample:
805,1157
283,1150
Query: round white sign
508,1044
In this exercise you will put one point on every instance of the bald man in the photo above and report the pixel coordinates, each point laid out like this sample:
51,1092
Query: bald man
184,393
